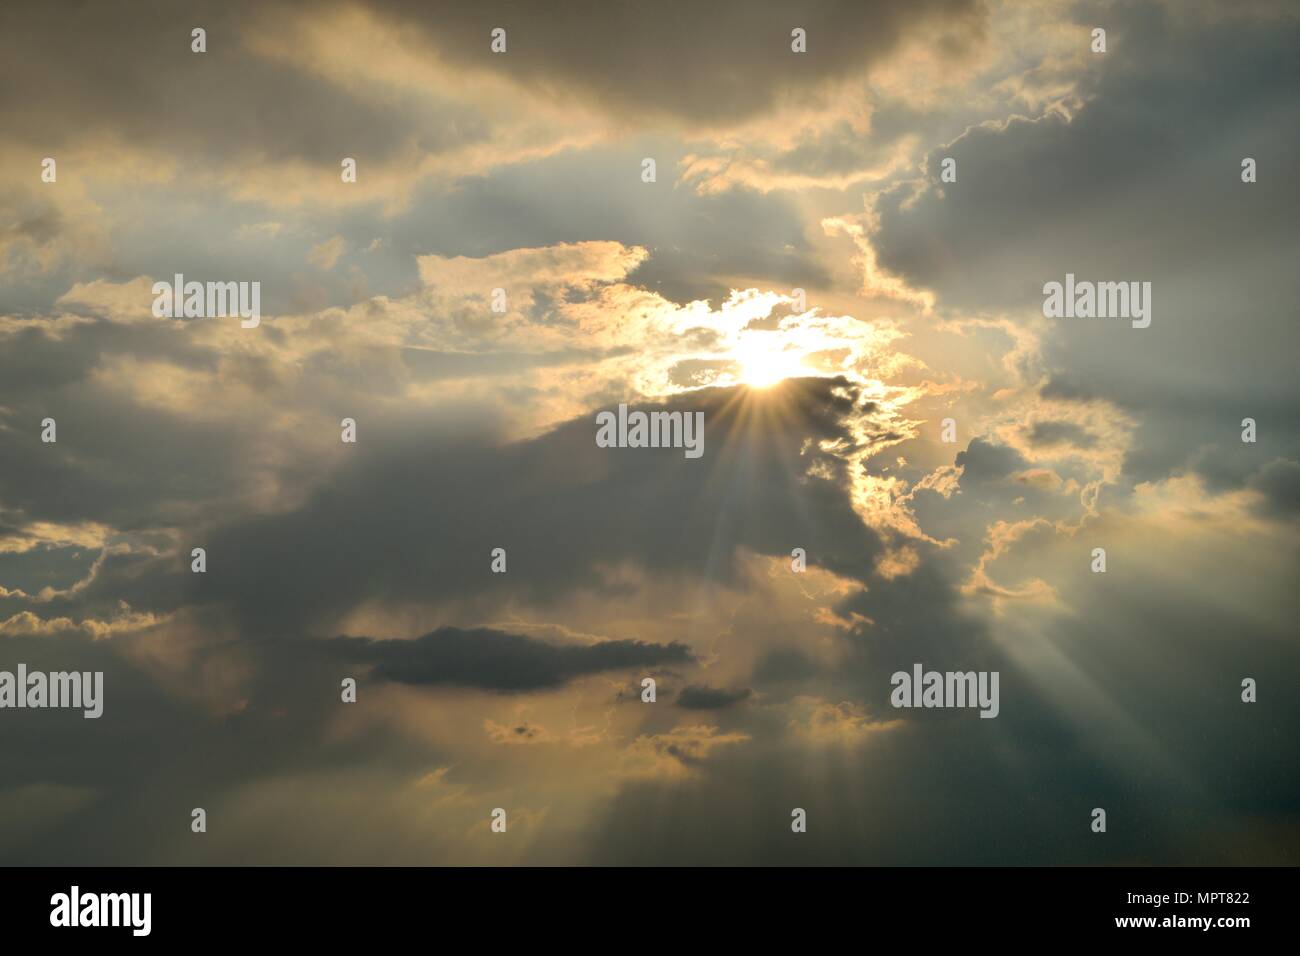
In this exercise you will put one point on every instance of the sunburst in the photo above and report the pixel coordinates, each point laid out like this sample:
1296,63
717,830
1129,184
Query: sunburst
762,365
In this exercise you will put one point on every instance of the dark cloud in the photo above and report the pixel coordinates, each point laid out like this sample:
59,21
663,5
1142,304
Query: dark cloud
106,445
715,62
428,535
1142,182
59,86
1042,434
984,461
494,660
985,240
1062,387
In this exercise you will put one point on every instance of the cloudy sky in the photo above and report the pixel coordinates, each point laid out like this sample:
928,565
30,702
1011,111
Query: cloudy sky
801,273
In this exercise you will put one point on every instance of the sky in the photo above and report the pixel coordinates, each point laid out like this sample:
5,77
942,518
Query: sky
840,261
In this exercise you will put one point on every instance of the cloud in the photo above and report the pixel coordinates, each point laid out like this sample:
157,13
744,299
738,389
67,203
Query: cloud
983,461
615,54
703,697
1042,195
493,660
1055,433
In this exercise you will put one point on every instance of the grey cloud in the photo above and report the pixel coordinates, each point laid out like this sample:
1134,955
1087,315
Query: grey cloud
399,523
715,62
984,461
1142,183
703,697
1061,386
495,660
1058,433
58,84
697,243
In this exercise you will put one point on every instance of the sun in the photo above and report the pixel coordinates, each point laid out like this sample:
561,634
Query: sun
763,367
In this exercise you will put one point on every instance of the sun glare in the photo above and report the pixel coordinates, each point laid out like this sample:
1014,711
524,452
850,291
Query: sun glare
763,367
